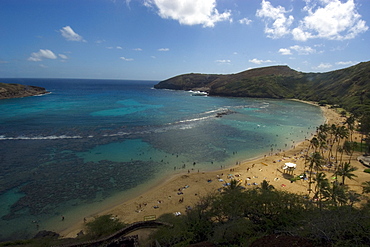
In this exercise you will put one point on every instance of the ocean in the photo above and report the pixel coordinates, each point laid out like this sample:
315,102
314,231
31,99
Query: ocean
93,143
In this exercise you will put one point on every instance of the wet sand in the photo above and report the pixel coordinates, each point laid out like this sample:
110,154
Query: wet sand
180,191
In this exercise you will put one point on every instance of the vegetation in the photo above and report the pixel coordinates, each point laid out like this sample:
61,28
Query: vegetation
330,215
346,88
238,217
11,90
103,226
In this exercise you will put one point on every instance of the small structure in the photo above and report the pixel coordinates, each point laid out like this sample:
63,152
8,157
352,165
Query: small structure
365,160
289,168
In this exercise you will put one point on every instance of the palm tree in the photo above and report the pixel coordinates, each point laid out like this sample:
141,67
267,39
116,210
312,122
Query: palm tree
353,197
346,171
265,186
338,194
322,188
315,163
350,121
341,134
234,185
315,143
349,148
366,187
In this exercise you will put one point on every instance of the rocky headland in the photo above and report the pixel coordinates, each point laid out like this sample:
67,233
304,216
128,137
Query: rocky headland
11,90
348,88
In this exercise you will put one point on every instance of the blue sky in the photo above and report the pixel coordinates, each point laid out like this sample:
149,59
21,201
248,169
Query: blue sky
158,39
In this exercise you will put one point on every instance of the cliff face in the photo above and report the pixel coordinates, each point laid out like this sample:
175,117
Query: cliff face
349,87
8,91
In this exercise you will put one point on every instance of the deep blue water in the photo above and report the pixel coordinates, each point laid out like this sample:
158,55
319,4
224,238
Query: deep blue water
91,139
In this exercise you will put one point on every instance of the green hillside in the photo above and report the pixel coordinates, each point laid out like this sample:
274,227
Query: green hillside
348,88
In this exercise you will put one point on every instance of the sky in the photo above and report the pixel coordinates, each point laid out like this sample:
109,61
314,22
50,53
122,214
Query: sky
159,39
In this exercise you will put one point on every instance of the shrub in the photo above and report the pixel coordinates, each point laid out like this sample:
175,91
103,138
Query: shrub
103,226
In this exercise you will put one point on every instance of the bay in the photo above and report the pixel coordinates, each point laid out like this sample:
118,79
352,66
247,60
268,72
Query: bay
93,143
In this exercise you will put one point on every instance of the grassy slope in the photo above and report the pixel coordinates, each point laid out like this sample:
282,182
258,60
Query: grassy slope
349,88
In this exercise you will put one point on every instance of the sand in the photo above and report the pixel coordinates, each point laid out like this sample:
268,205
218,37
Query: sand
183,190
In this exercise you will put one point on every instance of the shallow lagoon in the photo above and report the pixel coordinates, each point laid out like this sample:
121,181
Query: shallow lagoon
94,143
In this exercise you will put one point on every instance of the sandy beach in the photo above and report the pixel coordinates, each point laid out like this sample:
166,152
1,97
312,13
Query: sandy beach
183,190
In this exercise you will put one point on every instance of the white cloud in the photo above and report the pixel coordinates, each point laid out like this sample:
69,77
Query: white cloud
323,66
119,47
68,33
62,56
277,24
41,54
325,19
346,63
190,12
223,61
138,49
127,59
285,51
258,61
332,20
163,49
245,21
303,50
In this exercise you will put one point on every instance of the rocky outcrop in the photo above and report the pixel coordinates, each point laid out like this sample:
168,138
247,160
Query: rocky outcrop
8,91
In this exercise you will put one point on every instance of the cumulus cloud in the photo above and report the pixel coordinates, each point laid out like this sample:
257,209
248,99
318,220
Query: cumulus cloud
277,23
245,21
303,50
190,12
285,51
163,49
70,35
258,61
332,20
138,49
127,59
41,54
323,66
325,19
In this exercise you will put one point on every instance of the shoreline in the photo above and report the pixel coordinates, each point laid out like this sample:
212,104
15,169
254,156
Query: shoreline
179,191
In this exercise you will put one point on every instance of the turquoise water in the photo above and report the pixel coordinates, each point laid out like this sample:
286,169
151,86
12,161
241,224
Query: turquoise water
73,151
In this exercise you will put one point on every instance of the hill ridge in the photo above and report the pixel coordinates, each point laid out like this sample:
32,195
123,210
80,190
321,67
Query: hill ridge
348,87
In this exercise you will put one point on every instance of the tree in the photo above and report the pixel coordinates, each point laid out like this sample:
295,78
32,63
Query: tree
234,185
315,163
322,188
353,197
346,171
365,130
265,186
350,121
102,226
338,195
366,187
